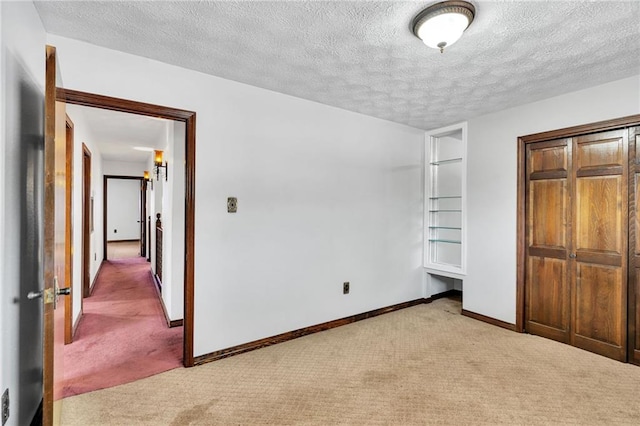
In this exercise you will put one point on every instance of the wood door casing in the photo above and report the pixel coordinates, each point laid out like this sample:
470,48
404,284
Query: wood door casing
547,230
634,242
599,241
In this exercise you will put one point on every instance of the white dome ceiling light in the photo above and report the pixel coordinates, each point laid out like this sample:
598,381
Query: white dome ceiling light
442,24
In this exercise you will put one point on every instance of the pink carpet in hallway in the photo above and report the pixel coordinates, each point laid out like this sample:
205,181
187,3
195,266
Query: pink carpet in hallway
122,335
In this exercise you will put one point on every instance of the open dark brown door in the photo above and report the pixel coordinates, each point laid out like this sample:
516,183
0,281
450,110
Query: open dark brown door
55,234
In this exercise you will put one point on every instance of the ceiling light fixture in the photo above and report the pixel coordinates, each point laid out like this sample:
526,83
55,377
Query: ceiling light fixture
442,24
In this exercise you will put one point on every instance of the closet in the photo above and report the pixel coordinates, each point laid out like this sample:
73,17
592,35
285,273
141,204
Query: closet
580,257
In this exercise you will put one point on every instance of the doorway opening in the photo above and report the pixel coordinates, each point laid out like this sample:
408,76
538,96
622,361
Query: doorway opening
188,119
124,222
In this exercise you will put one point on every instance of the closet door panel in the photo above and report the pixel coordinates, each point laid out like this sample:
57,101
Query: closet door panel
599,216
599,258
547,297
548,210
600,309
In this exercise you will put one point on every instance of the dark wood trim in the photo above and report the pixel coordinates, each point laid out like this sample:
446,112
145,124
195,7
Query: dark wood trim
68,240
124,241
489,320
49,234
632,260
86,221
284,337
170,323
140,178
550,136
449,293
190,232
616,123
189,118
520,240
76,97
77,323
105,185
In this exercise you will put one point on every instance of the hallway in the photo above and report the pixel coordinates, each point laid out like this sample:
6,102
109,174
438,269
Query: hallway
122,336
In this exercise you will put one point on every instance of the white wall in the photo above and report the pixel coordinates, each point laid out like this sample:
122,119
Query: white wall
124,168
325,196
21,140
490,285
123,209
82,134
172,193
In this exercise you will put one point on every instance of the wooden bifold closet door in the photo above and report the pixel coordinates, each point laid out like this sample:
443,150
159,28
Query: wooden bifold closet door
576,241
634,244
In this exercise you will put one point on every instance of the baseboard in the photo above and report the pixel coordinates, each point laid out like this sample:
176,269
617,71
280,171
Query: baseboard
76,324
170,323
284,337
95,278
489,320
448,293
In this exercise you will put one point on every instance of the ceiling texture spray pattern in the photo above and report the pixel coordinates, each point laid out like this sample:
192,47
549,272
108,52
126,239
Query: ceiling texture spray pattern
362,56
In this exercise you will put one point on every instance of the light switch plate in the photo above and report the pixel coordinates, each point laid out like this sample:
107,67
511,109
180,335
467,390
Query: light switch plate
232,205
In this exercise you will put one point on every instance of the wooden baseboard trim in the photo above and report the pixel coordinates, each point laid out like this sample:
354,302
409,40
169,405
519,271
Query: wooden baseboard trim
489,320
176,323
93,283
284,337
170,323
448,293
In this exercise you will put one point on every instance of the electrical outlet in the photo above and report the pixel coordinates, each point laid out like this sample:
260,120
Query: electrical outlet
345,287
5,406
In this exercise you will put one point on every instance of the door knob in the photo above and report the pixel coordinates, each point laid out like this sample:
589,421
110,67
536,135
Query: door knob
34,295
572,255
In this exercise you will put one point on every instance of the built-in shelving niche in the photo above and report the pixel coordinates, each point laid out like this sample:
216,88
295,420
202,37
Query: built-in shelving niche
445,204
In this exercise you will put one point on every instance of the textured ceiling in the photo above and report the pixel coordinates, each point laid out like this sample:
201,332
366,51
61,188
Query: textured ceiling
116,133
362,56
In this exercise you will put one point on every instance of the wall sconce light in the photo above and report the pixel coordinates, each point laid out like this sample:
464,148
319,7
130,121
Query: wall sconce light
158,164
148,179
442,24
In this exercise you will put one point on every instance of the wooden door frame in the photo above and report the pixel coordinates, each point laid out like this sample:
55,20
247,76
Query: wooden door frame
49,234
523,141
189,118
68,301
105,209
86,222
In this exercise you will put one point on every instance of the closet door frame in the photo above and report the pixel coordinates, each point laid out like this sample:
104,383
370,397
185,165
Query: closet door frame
523,141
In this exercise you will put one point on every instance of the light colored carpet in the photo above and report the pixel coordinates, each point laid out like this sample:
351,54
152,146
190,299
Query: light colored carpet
422,365
123,249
